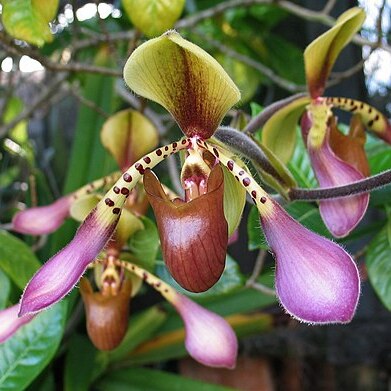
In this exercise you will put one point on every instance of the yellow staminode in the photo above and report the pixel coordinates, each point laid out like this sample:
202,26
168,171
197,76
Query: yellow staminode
184,79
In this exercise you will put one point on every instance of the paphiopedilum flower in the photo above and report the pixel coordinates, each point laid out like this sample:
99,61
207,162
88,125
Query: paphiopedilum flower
197,92
341,215
10,323
327,148
209,338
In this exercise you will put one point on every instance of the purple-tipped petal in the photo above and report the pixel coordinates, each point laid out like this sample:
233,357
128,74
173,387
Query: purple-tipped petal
209,339
60,274
317,281
42,220
340,215
10,323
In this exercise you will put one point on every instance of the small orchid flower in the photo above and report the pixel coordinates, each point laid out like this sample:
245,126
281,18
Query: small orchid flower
10,323
209,339
329,158
341,215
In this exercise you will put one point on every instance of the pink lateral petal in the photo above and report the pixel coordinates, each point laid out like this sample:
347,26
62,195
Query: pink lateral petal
341,215
42,220
317,281
209,339
58,276
10,323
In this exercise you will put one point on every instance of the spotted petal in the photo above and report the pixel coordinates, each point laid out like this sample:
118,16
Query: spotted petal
184,79
59,275
317,281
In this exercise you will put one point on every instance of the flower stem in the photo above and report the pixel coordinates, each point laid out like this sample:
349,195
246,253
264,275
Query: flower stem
358,187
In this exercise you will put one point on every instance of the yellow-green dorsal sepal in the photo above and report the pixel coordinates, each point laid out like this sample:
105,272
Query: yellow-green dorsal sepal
129,135
320,114
153,17
320,55
279,132
184,79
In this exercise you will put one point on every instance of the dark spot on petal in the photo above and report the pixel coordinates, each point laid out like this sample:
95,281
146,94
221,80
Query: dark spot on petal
147,159
174,145
230,165
124,191
159,152
116,211
216,152
127,177
377,117
263,200
254,194
166,148
241,172
246,181
184,142
139,167
116,190
109,202
370,123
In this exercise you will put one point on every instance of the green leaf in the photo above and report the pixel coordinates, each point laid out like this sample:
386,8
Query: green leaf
379,265
144,244
141,379
231,280
5,287
300,166
279,132
16,259
28,20
320,55
234,201
79,364
31,348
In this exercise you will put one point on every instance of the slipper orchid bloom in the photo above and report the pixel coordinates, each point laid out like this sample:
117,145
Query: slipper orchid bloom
317,281
332,167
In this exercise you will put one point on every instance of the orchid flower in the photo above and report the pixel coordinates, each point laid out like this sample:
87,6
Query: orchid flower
316,280
332,167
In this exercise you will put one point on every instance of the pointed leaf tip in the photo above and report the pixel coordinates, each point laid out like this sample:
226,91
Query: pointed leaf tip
184,79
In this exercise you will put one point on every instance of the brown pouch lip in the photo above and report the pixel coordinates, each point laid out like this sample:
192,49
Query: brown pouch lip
194,235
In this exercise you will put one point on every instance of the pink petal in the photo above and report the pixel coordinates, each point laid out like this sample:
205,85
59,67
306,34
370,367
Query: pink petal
42,220
317,281
10,323
209,338
59,275
340,215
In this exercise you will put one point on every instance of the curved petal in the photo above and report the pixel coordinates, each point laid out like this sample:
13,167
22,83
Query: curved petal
10,323
59,275
340,215
194,235
42,220
317,281
209,338
185,80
